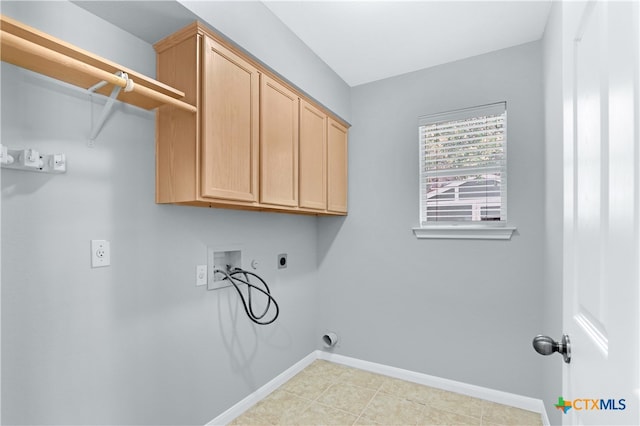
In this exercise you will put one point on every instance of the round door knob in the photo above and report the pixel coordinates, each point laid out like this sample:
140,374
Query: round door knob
545,345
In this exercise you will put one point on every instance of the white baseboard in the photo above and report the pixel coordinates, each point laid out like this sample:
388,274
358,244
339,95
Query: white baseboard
505,398
264,391
513,400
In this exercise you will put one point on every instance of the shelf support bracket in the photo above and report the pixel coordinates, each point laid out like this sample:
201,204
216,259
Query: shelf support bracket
109,105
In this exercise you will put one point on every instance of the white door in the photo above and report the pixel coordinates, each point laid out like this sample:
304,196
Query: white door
602,212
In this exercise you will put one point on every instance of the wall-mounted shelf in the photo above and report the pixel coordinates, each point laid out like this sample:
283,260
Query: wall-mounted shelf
29,48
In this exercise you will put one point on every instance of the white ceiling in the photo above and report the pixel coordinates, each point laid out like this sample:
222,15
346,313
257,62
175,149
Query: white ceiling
369,40
150,20
364,41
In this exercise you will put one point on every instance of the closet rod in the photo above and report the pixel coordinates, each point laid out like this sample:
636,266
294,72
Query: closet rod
28,47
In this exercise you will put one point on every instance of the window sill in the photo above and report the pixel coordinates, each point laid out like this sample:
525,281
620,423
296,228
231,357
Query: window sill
465,232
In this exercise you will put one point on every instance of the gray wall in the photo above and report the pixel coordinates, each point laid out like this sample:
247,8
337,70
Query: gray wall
552,302
138,343
135,343
462,310
256,29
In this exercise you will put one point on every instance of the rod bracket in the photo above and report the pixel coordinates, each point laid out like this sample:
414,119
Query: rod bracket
109,105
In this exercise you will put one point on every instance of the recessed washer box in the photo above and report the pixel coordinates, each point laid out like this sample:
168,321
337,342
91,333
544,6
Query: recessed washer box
225,260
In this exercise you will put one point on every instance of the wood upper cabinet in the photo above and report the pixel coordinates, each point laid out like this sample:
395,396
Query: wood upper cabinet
337,159
255,142
230,105
313,157
278,144
177,134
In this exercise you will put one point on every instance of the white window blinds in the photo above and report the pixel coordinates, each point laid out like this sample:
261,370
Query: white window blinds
463,166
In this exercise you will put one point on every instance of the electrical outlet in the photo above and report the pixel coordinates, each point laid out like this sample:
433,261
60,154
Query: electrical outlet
100,253
282,260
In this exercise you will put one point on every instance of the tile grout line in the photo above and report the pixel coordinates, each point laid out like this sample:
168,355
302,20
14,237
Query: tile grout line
368,403
337,380
341,377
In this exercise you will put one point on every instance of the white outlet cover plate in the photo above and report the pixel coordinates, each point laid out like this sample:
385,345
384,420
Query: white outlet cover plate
100,253
201,275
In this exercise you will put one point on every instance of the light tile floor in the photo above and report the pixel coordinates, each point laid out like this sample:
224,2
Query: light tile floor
326,393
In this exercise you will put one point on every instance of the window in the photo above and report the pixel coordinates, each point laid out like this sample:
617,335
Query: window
463,163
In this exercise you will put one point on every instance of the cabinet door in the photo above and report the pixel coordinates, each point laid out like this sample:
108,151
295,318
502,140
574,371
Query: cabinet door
278,144
230,96
313,157
337,165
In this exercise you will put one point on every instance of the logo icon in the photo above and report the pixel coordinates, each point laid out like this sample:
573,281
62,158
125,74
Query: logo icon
563,405
581,404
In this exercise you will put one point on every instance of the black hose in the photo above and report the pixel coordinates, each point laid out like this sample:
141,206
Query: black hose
246,303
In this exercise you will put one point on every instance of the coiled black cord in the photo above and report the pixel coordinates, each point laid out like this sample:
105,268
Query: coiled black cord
231,276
